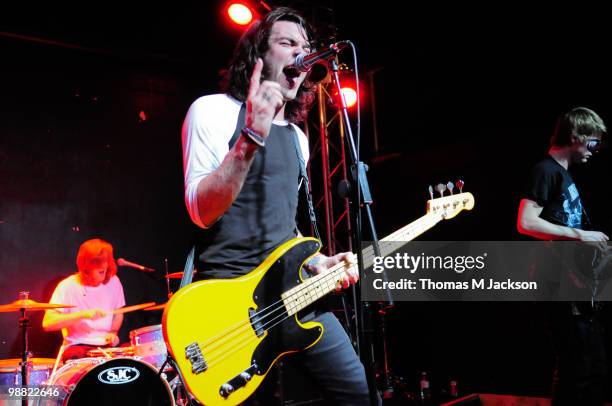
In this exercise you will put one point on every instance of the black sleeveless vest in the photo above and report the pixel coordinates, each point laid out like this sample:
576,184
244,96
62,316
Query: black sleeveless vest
262,217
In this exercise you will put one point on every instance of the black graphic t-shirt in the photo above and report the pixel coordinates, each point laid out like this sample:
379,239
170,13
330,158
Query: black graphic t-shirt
552,187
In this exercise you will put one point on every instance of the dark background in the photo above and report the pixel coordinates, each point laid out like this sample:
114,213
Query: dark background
91,105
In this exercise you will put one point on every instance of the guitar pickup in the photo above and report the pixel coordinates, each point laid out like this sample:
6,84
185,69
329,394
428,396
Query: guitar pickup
194,354
255,322
238,381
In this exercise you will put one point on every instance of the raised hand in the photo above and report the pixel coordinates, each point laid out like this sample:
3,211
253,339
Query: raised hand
263,102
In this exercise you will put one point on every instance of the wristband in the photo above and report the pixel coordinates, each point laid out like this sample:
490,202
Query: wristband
253,136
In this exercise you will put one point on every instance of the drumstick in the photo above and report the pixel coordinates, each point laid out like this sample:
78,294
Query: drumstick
106,354
132,308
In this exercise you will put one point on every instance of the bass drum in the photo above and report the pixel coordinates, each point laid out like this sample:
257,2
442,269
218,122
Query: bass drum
118,381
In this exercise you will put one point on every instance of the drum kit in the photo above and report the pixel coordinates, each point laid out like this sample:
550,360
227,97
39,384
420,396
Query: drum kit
135,374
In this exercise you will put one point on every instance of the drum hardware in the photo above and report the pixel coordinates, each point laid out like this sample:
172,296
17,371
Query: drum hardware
182,396
177,275
22,305
167,278
149,345
166,362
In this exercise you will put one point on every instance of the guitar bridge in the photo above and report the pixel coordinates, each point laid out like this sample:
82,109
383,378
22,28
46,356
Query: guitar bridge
238,381
194,354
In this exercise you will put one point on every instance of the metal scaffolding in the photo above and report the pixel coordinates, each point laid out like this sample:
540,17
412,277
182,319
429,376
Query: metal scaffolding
328,163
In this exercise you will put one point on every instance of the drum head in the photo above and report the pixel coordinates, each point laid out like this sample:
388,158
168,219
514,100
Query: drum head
121,381
145,330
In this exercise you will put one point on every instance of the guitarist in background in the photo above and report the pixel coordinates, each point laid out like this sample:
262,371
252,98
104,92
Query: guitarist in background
241,156
551,209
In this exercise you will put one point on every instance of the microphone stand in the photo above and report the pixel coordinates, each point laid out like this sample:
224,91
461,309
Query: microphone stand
360,197
167,278
24,324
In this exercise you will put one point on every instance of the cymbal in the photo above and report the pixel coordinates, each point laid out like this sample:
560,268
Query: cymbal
29,304
133,308
177,275
37,363
158,307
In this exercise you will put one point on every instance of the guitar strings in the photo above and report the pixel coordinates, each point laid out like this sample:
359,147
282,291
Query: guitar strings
265,314
245,325
246,340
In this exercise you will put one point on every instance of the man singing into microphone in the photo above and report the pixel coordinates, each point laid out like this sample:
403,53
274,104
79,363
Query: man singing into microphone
95,291
241,155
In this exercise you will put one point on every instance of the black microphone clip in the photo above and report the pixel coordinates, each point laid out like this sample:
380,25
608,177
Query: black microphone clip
304,61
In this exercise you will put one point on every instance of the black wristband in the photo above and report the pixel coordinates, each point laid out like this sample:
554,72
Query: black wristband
253,136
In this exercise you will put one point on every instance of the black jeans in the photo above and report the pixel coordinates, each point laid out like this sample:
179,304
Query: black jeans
581,368
332,364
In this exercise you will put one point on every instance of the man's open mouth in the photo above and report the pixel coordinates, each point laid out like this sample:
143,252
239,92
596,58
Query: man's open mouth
291,72
291,75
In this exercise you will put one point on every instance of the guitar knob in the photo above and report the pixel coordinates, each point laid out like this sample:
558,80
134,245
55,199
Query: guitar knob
226,389
246,376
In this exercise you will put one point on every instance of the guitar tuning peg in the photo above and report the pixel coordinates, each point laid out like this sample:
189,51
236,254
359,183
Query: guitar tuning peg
431,192
440,188
450,187
459,185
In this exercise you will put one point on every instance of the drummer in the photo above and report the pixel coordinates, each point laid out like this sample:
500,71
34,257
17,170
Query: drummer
95,291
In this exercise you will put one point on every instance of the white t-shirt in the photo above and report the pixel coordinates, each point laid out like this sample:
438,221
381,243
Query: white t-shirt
107,296
207,130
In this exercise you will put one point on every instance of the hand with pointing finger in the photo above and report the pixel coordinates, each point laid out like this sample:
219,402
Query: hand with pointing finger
263,102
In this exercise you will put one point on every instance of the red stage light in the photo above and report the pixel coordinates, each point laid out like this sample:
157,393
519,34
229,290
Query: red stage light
350,96
240,13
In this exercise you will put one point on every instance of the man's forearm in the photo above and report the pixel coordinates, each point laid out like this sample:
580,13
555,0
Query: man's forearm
217,192
545,230
116,324
54,321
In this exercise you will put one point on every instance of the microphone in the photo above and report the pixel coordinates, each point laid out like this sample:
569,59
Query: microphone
304,62
123,262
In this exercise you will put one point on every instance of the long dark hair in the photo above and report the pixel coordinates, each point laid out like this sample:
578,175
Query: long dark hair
254,44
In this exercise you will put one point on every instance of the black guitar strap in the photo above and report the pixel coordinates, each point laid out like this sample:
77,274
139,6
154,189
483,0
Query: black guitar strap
306,182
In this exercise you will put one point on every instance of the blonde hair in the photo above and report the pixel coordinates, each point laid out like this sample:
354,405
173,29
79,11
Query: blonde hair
580,122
